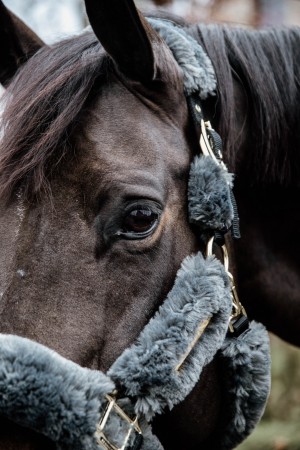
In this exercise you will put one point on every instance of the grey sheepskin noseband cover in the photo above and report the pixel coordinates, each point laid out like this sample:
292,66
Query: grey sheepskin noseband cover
49,394
147,369
42,391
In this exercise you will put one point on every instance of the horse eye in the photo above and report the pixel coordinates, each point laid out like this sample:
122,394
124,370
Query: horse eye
139,223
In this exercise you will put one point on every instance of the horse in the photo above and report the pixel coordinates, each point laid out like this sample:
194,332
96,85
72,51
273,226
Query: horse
96,147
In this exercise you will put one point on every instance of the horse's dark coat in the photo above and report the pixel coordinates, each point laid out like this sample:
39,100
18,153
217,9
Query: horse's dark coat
81,141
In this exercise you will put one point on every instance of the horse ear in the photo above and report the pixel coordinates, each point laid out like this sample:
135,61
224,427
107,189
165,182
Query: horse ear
125,35
18,44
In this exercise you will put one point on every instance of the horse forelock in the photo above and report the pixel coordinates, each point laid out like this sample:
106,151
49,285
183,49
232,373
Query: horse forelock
42,107
265,64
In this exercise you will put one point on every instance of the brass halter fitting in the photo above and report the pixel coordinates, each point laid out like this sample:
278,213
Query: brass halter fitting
238,315
206,145
132,424
238,319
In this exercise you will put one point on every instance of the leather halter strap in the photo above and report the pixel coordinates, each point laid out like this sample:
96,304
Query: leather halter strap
210,144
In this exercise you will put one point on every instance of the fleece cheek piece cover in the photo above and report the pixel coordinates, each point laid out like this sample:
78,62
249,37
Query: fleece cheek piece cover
209,198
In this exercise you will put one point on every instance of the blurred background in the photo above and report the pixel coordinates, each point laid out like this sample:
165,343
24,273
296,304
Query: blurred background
55,19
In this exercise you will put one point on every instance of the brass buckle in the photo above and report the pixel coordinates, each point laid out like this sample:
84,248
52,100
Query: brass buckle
133,427
204,141
205,144
237,308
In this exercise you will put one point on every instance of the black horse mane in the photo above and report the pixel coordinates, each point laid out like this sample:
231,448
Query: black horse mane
46,100
266,65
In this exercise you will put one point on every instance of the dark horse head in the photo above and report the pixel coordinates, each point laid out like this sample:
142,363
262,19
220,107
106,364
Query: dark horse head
95,154
94,166
96,181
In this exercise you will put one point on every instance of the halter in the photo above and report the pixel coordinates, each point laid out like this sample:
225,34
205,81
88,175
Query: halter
201,317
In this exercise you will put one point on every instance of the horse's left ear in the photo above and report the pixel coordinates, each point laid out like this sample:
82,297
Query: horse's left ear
18,44
125,35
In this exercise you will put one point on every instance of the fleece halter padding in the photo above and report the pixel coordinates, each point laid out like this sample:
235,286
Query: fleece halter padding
47,393
147,370
245,364
209,195
197,69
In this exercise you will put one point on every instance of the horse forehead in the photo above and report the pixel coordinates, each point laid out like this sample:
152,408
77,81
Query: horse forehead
126,128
